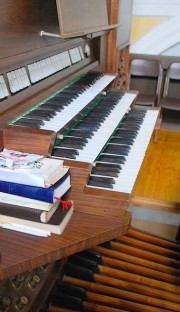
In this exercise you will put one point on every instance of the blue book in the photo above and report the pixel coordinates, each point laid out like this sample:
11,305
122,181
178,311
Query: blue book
49,194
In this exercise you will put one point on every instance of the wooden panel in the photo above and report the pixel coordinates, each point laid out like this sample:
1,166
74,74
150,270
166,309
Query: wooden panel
111,50
85,16
35,293
21,23
21,252
117,49
28,140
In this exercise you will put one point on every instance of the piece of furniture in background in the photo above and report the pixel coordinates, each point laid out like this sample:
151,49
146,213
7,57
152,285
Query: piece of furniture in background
171,94
146,77
123,67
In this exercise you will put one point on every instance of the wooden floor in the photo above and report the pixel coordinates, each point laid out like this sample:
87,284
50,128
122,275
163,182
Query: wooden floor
159,179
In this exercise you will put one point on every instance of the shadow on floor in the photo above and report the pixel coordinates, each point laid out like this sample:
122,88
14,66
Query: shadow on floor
171,120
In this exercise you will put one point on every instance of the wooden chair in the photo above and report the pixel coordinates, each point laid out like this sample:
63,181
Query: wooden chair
171,93
146,77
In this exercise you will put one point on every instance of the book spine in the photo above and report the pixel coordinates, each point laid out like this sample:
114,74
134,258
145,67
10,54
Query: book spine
21,212
37,193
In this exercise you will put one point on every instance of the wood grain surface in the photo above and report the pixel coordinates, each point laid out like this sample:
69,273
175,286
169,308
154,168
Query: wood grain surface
23,252
159,176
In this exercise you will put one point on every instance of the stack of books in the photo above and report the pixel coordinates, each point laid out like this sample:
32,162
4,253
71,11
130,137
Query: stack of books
31,197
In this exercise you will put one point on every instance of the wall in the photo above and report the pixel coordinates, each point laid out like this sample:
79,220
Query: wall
156,27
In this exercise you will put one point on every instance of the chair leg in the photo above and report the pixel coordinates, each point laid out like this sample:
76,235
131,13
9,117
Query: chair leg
156,135
161,113
158,125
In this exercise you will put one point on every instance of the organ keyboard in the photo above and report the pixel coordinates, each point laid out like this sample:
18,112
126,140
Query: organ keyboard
99,136
89,126
133,157
103,129
56,112
102,126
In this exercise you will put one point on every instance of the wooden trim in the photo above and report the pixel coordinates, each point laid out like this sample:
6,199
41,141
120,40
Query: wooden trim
155,204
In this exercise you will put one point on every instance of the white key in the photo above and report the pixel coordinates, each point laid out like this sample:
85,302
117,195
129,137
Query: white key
3,88
13,84
33,73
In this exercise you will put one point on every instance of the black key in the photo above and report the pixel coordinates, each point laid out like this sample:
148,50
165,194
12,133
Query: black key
77,143
71,290
111,159
70,139
43,112
100,172
37,115
65,96
86,127
94,120
66,301
103,108
111,167
25,124
90,122
59,102
126,141
107,180
47,109
122,134
95,117
132,124
129,126
124,130
139,119
115,150
99,182
65,153
56,108
81,134
30,122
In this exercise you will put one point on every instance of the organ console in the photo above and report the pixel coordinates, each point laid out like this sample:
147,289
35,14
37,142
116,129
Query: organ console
58,98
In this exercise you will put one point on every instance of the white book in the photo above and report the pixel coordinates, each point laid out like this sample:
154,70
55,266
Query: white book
24,202
46,172
25,229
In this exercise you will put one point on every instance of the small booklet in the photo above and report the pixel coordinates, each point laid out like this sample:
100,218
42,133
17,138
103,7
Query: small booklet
13,159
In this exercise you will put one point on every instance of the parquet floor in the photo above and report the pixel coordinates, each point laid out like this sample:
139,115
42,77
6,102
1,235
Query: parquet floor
159,177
